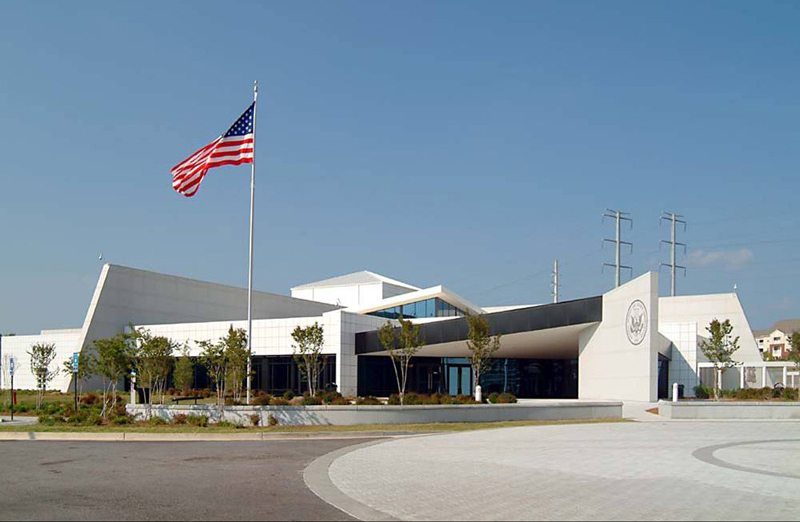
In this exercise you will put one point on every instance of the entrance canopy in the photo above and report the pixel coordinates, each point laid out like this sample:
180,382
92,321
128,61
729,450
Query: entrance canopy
538,332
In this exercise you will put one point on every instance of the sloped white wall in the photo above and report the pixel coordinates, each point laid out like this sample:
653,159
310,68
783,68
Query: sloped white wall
701,310
609,365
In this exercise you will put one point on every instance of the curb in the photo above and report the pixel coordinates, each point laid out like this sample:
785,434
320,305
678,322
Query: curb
318,480
196,437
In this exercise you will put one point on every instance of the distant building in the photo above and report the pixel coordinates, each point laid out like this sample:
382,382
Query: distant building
774,342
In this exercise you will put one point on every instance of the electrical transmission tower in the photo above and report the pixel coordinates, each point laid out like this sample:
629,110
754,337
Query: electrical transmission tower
555,284
674,219
618,218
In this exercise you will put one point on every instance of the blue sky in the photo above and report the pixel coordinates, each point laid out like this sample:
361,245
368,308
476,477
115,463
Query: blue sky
459,143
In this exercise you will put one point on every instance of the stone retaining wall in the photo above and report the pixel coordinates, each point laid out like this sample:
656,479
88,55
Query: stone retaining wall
354,415
729,410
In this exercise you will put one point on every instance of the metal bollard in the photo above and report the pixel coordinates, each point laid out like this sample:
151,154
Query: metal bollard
674,392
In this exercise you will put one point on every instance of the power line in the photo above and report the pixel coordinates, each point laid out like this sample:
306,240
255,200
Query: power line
674,219
618,217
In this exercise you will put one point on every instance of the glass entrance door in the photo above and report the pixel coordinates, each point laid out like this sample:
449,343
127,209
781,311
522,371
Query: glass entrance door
459,379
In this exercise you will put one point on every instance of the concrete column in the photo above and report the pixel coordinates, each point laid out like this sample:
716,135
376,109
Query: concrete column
763,376
785,377
741,377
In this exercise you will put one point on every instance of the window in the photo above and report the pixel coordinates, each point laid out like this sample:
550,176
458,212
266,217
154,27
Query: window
433,307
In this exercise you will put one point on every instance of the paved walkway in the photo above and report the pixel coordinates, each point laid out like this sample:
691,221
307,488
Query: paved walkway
627,471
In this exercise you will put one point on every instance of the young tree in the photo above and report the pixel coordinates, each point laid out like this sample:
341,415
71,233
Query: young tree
308,353
481,345
112,362
184,371
42,355
400,350
719,349
213,358
84,370
236,355
152,359
794,355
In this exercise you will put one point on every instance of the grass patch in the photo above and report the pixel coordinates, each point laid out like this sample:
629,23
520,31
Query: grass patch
414,428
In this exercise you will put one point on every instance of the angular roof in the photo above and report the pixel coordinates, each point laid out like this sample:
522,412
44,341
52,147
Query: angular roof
356,278
787,326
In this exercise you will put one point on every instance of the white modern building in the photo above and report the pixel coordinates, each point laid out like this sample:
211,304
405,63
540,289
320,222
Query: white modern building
628,343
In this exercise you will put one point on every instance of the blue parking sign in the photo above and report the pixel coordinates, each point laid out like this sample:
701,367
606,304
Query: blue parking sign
75,362
11,365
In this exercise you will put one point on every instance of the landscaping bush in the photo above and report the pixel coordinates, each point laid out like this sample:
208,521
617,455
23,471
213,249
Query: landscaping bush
255,419
288,395
340,401
278,401
502,398
90,399
394,400
120,420
227,424
330,397
312,401
465,399
180,418
262,399
201,421
156,421
703,392
789,394
273,421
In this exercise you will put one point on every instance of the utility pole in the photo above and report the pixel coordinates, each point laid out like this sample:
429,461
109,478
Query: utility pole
674,219
618,218
555,284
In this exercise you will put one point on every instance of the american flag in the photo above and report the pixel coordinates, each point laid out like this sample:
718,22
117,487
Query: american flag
232,148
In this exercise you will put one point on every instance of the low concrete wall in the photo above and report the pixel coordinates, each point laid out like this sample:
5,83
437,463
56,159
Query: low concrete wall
728,410
354,415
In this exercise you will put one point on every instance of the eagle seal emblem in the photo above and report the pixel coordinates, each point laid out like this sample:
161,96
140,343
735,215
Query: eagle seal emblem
636,322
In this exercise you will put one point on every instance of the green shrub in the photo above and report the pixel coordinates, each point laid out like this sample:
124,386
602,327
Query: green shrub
288,395
273,421
279,401
201,421
312,401
156,421
394,400
120,420
789,394
227,424
331,397
703,392
255,419
339,401
180,418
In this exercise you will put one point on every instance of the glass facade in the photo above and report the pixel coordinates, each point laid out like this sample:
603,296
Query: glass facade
433,307
525,378
276,374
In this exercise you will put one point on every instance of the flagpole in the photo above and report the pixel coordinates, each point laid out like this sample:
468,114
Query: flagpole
250,276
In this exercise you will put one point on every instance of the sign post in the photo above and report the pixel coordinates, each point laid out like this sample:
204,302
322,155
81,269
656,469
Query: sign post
11,372
75,377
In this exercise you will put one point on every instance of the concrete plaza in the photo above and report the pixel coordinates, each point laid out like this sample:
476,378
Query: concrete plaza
623,471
